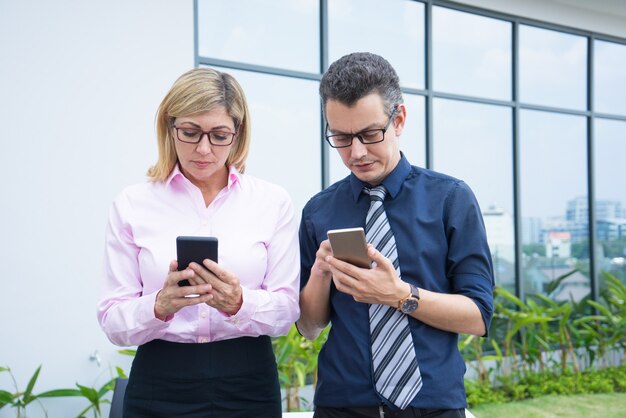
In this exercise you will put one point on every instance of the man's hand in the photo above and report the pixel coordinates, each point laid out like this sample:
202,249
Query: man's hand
378,285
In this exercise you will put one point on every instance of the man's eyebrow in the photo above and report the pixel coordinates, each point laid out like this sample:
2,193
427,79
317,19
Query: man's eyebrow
367,128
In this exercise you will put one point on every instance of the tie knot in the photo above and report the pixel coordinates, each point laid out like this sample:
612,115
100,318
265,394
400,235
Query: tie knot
376,193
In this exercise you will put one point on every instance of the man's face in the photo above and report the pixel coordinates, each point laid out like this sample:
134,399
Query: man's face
370,163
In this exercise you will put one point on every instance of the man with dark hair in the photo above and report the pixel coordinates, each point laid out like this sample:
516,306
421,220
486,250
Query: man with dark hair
392,349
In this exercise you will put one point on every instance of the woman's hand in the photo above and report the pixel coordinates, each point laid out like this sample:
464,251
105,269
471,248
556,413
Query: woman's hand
225,288
172,298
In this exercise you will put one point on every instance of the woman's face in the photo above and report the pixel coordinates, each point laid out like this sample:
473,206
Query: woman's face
204,163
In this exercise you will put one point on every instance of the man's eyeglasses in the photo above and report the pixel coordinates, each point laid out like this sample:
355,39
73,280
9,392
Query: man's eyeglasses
191,135
369,136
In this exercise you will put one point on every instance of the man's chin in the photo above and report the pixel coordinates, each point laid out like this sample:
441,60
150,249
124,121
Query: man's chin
368,177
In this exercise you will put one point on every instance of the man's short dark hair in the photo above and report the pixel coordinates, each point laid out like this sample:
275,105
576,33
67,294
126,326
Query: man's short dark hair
357,75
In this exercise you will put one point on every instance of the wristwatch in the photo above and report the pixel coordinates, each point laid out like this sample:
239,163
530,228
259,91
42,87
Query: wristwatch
409,304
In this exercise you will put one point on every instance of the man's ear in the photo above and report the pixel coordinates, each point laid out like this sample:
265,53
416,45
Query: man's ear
399,119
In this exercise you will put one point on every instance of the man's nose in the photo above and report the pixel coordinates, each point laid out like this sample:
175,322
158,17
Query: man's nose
357,148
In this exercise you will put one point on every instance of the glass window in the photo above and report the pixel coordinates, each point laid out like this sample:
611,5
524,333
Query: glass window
610,204
554,209
473,59
609,77
552,68
393,29
275,33
412,141
285,116
473,142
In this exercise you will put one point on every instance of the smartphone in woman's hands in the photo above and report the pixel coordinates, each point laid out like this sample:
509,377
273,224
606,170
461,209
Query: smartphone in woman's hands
194,249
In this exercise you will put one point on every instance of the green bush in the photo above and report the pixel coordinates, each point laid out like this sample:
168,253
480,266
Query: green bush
535,385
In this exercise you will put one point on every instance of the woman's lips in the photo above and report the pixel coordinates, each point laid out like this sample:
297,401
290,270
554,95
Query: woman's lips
201,164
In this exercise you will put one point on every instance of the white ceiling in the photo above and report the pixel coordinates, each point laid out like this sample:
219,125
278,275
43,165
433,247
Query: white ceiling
611,7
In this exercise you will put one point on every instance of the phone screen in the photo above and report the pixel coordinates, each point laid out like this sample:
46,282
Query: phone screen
194,249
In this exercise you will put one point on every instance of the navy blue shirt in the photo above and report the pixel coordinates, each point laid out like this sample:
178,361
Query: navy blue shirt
442,247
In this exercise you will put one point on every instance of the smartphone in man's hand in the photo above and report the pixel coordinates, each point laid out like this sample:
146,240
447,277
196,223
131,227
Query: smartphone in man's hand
194,249
349,245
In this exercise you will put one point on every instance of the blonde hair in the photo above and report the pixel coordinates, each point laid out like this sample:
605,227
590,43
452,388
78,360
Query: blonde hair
197,91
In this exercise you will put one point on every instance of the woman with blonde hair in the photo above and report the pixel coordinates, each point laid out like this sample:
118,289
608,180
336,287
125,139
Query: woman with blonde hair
203,349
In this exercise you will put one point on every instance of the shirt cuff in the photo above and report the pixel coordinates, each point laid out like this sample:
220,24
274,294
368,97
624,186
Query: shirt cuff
242,318
151,317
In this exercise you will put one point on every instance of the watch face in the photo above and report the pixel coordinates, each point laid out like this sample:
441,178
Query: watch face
408,306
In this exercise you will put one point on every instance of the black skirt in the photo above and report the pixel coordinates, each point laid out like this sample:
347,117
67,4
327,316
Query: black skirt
230,378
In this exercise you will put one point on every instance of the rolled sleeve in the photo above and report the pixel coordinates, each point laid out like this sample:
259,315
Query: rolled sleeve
469,265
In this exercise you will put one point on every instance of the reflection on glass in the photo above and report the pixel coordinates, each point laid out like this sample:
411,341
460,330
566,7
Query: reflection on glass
393,29
610,203
473,59
552,68
285,116
276,33
609,77
554,210
412,140
473,143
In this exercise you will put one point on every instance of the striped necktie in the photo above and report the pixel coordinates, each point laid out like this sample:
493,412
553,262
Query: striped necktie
396,373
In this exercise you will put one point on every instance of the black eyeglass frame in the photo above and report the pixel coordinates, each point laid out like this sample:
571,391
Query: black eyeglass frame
359,136
203,133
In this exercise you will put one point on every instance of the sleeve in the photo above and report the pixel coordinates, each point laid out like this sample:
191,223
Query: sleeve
468,264
272,309
308,247
125,314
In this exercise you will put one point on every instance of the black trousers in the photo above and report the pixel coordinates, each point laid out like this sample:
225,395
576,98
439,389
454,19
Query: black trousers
375,412
227,379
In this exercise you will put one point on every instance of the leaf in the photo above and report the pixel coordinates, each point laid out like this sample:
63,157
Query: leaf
89,393
465,342
5,398
553,284
56,393
28,397
107,387
300,373
127,352
545,299
499,291
600,307
120,373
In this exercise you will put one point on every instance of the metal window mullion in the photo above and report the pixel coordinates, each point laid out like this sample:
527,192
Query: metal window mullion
517,213
325,154
594,288
196,47
428,84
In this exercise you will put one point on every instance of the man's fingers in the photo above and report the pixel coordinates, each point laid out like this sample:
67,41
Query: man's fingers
380,259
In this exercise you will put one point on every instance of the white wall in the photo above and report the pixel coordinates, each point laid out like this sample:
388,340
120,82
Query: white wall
80,82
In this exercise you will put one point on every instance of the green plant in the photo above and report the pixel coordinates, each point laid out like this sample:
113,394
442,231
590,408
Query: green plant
297,364
20,400
534,385
96,397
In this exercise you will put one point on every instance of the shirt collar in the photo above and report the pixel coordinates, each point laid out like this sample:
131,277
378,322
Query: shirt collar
393,181
176,173
234,176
